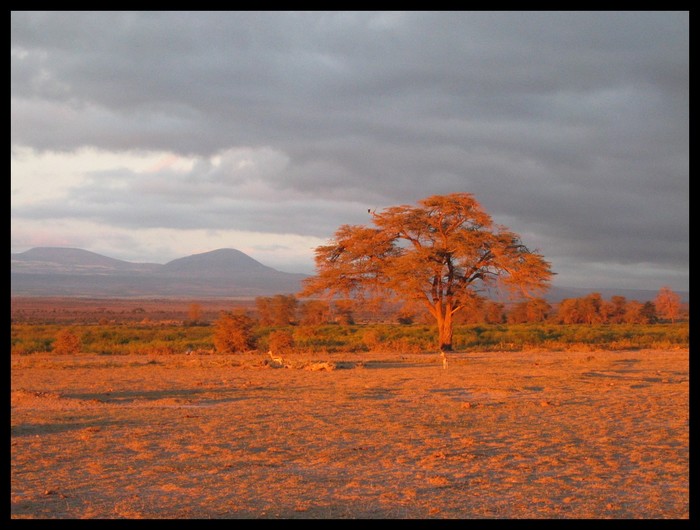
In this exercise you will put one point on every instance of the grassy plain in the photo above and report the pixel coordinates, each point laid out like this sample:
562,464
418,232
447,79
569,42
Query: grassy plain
515,434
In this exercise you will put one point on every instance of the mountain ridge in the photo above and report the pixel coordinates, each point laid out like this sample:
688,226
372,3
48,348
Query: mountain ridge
59,271
224,272
213,261
58,259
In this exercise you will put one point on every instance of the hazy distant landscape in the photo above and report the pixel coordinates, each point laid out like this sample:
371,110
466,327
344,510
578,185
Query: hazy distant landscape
220,273
75,272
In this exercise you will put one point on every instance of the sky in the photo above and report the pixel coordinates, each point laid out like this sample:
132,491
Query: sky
150,136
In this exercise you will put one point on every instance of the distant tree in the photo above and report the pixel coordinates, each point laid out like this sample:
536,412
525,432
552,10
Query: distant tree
343,310
233,332
634,313
613,312
194,313
439,253
589,308
535,310
262,306
517,313
649,312
474,311
668,304
538,309
280,342
67,342
313,312
278,310
284,309
569,311
494,312
405,317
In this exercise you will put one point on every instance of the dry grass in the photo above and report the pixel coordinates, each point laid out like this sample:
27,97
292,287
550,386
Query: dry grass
497,435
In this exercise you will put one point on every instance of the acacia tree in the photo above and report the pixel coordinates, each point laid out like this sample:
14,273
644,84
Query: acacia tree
194,313
534,310
438,253
233,332
668,304
278,310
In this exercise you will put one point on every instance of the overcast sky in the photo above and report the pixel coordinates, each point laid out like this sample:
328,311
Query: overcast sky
149,136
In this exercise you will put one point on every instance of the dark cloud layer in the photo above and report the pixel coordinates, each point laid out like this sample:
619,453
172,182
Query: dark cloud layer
572,127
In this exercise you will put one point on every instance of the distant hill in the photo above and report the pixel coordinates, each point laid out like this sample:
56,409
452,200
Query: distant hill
222,273
216,263
62,260
49,271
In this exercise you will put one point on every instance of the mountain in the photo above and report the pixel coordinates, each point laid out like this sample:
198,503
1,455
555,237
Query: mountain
61,260
222,273
49,271
215,263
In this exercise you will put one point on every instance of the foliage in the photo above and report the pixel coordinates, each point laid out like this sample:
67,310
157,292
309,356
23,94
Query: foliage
592,309
194,313
280,341
67,342
314,313
534,310
343,312
668,304
114,339
278,310
130,338
233,332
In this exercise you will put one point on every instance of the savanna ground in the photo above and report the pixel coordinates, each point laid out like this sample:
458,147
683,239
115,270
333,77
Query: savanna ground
594,434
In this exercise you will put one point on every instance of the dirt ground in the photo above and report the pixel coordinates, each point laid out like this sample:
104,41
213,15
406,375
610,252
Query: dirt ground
69,310
495,435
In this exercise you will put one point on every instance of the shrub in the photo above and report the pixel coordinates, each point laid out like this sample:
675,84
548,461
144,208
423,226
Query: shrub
67,342
233,332
280,341
372,339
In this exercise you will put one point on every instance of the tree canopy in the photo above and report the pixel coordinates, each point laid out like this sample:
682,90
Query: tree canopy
440,253
668,303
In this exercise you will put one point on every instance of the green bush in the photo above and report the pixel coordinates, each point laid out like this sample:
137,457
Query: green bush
131,338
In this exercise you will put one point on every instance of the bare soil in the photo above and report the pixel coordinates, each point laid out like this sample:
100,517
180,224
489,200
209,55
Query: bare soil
69,310
495,435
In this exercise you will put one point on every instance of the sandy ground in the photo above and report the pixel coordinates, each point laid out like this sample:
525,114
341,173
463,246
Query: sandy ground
497,435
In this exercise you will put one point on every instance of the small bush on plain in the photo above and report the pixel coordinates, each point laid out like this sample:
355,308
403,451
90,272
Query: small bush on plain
233,332
67,342
281,341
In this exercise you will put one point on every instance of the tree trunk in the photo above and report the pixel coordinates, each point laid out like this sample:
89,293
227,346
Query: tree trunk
444,322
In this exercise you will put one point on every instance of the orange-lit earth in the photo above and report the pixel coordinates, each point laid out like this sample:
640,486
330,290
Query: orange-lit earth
573,434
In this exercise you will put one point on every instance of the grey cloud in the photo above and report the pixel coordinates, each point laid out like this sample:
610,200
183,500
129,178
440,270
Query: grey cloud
570,125
210,196
260,72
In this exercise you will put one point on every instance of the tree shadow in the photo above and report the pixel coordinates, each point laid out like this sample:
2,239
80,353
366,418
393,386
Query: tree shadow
186,394
393,364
